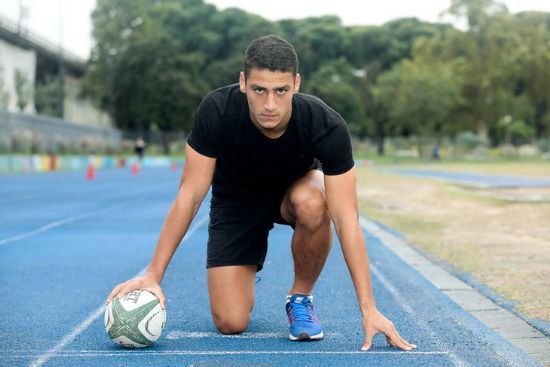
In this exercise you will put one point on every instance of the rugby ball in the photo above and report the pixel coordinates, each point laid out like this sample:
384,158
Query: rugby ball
136,320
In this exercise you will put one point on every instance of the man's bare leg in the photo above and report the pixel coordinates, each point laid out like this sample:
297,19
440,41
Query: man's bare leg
304,205
231,290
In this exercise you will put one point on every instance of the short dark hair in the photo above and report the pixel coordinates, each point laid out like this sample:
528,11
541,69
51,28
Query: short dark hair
270,52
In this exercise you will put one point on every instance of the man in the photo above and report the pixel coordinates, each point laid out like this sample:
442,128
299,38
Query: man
262,145
139,148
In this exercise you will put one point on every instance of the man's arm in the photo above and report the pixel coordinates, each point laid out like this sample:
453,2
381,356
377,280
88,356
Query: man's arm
342,206
195,182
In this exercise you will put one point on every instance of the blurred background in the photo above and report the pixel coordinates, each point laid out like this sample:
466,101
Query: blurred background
444,79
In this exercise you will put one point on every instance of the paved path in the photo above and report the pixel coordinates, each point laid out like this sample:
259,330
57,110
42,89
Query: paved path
475,179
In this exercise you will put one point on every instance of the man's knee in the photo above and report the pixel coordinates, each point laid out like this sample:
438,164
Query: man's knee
310,207
231,323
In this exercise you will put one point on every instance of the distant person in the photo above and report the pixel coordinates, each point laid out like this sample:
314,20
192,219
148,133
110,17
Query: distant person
139,148
435,152
272,155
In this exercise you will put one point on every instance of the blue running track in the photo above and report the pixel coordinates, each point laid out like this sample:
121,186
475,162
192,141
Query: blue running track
474,179
65,242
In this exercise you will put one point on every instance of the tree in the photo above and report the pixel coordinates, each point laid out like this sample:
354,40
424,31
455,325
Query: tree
140,70
534,73
373,50
336,83
4,96
156,84
46,97
155,59
490,52
420,94
22,89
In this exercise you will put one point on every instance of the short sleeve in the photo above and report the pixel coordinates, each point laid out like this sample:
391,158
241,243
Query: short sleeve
206,133
333,148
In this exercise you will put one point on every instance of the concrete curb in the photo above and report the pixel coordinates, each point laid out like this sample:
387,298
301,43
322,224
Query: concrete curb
500,320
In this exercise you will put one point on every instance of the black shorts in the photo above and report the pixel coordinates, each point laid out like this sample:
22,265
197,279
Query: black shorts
238,230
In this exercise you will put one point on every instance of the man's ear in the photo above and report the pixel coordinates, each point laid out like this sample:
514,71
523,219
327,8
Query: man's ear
297,81
242,82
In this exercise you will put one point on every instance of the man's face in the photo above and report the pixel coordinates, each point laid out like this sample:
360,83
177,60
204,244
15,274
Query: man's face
269,95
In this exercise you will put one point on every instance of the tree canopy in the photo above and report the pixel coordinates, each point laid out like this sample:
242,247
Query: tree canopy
154,60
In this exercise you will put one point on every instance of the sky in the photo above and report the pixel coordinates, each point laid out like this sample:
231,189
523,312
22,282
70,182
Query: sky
68,22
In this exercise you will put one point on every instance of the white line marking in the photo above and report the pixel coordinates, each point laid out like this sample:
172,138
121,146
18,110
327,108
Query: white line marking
94,315
455,359
449,284
176,334
377,231
212,334
134,352
58,224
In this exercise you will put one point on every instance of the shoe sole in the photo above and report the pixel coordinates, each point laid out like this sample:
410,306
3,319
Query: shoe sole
306,336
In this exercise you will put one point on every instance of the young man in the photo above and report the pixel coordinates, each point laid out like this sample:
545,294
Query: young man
271,155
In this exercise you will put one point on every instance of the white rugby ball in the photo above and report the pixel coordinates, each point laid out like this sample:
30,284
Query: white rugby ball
136,320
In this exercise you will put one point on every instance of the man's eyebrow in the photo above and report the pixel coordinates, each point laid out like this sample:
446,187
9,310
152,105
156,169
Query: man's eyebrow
256,86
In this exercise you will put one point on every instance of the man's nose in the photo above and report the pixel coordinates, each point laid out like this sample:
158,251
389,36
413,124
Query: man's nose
269,103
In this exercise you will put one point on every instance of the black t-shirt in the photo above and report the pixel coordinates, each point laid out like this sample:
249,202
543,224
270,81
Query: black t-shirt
249,164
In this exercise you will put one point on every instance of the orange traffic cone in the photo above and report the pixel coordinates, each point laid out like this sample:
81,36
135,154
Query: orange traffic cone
135,168
91,172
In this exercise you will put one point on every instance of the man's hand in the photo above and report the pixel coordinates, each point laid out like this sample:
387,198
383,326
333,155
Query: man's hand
146,281
374,322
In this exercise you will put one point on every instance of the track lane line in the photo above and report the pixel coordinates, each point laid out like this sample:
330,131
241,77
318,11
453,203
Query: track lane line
126,200
413,258
133,352
59,223
95,314
455,359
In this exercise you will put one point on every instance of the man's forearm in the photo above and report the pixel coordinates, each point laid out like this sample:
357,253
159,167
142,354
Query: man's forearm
180,215
355,253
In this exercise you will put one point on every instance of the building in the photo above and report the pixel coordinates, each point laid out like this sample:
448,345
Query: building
31,70
41,107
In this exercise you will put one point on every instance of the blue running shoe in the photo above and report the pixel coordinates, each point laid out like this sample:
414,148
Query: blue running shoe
303,323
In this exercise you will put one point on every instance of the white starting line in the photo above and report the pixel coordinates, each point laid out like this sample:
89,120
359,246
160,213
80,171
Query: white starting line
175,335
133,352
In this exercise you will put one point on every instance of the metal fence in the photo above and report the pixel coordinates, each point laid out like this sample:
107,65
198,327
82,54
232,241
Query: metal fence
30,134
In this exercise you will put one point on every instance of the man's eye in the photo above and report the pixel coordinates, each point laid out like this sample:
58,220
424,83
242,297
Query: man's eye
259,90
281,91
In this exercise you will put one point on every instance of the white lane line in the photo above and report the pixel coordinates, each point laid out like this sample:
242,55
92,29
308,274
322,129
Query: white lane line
59,223
94,315
455,359
134,352
378,232
455,289
68,338
176,334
